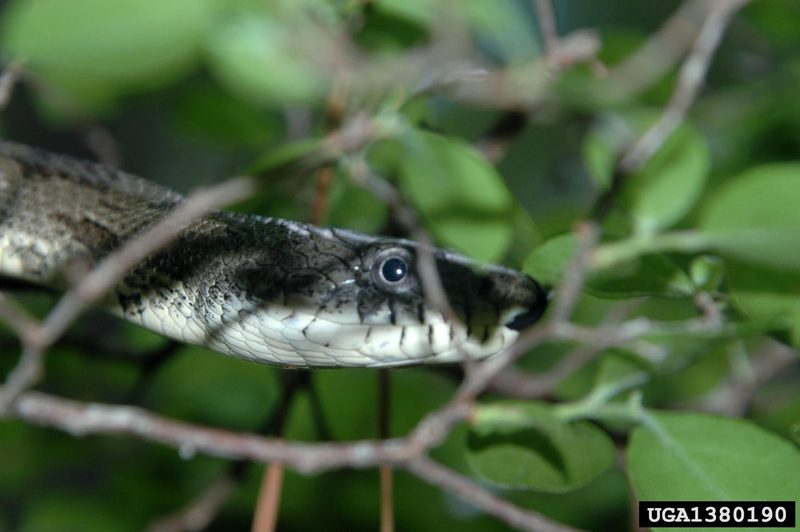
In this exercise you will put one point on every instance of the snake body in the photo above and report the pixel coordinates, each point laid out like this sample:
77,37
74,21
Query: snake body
254,287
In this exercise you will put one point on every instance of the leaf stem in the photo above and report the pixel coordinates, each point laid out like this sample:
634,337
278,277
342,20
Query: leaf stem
597,404
611,254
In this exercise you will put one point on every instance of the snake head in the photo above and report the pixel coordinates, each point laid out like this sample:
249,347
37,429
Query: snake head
345,299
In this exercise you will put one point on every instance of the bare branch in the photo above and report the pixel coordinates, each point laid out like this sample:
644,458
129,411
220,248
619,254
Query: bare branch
660,53
201,511
79,419
736,393
102,144
8,79
515,383
386,473
571,285
447,479
16,317
87,418
269,500
690,81
547,25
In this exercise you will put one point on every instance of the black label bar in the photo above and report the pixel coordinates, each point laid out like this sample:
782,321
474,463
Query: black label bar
702,514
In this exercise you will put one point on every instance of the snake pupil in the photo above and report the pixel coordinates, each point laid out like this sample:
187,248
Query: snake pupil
394,270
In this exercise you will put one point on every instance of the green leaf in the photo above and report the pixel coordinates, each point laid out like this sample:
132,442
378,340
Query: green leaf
208,112
700,457
460,195
304,155
602,146
755,217
649,275
768,296
617,369
235,393
547,262
652,275
503,25
257,59
523,445
420,11
353,207
670,183
70,511
98,49
666,188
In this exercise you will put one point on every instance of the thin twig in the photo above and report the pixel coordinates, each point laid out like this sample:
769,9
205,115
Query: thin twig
102,144
8,79
269,497
515,383
690,81
578,47
201,511
86,418
16,317
387,482
266,517
448,480
80,418
547,25
659,53
736,393
571,284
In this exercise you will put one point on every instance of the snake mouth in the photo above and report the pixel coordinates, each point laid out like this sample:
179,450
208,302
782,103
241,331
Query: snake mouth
525,317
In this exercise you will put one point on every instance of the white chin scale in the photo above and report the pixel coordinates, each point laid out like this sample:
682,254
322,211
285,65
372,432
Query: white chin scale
287,337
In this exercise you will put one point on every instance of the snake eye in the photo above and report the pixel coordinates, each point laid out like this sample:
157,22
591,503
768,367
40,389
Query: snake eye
394,269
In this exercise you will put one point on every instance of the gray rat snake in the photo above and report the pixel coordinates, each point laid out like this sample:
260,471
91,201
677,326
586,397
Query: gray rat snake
258,288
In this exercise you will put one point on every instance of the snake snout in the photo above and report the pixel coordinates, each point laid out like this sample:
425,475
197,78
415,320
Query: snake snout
526,317
532,310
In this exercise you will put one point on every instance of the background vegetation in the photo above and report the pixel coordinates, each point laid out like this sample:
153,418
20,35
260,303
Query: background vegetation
504,139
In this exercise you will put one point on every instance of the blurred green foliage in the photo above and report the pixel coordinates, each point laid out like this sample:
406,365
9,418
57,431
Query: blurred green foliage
197,90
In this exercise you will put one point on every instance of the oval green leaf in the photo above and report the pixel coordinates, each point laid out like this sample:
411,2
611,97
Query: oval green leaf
648,275
652,275
97,47
354,207
256,59
460,195
523,445
767,296
547,262
667,187
699,457
671,181
755,217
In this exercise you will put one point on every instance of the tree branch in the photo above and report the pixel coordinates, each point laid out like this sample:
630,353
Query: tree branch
690,81
447,479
